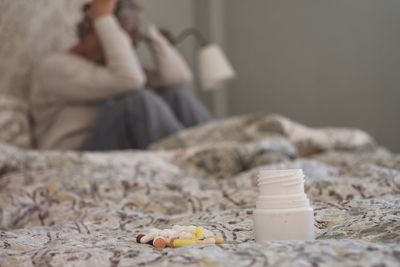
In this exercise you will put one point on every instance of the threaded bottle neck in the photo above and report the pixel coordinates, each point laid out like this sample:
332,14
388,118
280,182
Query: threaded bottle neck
281,189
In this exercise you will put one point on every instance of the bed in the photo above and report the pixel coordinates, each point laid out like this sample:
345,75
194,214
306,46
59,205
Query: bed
85,209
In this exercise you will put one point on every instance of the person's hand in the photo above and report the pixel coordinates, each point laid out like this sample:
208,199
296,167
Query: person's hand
144,31
102,8
138,22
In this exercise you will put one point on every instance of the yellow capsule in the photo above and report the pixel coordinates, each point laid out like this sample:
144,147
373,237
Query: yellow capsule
200,232
179,243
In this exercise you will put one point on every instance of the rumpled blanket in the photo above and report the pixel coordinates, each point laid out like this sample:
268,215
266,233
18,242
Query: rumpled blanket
14,122
85,209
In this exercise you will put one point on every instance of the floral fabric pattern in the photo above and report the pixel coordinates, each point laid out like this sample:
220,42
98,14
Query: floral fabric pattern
85,209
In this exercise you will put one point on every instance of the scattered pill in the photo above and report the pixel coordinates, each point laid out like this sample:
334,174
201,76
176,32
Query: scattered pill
219,240
179,243
185,235
208,233
192,229
155,231
177,228
199,232
171,242
168,233
180,236
139,237
159,242
148,238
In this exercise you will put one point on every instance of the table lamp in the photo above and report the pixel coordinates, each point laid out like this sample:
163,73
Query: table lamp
214,67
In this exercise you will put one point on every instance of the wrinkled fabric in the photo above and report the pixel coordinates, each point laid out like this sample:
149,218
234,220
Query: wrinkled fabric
85,209
14,122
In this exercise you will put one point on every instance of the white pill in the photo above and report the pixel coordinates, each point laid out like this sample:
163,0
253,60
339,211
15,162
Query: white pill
147,238
184,235
191,229
208,234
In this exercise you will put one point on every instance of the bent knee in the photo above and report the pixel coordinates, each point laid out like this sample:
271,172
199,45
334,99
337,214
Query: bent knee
143,94
136,95
145,97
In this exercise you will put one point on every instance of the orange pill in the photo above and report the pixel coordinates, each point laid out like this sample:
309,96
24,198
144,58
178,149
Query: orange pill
159,242
219,240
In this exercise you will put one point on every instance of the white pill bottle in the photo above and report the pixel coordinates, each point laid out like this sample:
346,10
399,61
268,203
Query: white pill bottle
283,211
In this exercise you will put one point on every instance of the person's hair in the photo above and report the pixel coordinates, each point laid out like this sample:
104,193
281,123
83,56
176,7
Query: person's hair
121,6
83,24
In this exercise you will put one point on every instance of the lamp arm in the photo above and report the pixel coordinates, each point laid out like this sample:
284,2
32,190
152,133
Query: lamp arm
196,33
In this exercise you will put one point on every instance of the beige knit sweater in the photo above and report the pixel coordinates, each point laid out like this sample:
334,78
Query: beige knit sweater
66,87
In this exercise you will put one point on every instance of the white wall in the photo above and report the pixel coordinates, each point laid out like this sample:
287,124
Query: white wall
321,62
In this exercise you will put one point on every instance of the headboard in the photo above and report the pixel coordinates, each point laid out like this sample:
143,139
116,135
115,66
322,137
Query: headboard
29,29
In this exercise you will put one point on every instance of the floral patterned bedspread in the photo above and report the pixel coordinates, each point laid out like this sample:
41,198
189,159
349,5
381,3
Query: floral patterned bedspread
85,209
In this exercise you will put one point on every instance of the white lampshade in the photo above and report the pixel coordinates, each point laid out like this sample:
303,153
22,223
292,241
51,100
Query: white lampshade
214,67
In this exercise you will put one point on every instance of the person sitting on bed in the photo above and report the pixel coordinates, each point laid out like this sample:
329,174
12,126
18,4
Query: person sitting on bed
93,96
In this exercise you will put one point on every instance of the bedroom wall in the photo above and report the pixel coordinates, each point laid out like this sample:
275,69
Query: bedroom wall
321,62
